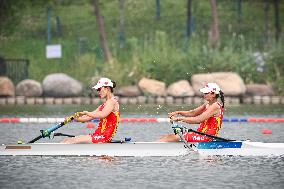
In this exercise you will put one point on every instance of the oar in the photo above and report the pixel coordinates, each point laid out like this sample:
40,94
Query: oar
208,135
46,133
62,134
211,136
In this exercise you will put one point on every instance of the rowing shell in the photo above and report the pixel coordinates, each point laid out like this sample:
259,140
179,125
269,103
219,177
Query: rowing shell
100,149
141,149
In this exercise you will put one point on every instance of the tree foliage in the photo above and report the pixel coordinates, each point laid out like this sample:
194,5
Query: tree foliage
157,48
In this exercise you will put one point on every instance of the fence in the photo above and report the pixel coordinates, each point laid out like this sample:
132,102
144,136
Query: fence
16,69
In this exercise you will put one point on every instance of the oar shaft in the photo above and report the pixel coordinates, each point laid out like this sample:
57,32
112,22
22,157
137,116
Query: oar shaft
178,130
47,132
184,141
197,132
62,134
35,139
211,136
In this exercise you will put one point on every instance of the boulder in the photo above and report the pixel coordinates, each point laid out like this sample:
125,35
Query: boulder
259,90
180,88
29,88
129,91
152,87
7,87
61,85
230,83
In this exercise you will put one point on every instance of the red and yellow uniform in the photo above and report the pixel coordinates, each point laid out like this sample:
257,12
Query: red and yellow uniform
210,126
107,127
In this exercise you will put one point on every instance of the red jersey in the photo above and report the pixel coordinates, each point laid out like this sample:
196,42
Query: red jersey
210,126
107,127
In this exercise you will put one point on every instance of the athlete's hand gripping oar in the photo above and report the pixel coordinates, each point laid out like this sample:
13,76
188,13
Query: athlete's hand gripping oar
46,133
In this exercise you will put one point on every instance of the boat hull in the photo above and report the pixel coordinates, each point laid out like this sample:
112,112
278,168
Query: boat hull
101,149
235,148
240,148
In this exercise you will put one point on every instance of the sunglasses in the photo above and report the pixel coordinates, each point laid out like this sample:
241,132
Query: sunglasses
99,89
208,93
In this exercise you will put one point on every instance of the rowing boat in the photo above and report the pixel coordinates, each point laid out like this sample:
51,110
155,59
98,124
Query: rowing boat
141,149
219,147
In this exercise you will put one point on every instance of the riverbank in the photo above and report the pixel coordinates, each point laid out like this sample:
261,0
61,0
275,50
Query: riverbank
20,100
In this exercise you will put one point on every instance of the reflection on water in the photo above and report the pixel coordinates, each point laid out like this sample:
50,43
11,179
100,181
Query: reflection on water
109,159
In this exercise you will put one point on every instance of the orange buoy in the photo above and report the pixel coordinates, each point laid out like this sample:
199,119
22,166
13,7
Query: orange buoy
266,131
91,125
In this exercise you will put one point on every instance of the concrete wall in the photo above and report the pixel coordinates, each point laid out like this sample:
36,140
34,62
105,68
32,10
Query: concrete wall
140,100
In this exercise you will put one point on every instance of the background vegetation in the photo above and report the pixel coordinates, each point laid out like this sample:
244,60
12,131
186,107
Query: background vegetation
151,43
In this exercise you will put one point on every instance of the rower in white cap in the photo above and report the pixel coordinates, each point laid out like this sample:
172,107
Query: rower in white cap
108,113
209,115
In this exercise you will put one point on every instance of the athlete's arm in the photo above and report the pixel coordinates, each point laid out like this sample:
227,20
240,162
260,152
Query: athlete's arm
212,110
190,113
83,117
109,107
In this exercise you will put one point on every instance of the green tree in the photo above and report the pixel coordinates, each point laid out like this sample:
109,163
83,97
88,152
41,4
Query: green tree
103,37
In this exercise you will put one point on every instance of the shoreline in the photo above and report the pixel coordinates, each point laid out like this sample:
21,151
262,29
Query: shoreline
21,100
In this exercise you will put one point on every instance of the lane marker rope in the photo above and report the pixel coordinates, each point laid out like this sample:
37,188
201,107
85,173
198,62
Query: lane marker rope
134,120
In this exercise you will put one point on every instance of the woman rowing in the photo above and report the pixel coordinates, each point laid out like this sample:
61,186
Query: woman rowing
108,113
209,115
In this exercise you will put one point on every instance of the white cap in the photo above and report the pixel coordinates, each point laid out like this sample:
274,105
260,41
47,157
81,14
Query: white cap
211,87
103,82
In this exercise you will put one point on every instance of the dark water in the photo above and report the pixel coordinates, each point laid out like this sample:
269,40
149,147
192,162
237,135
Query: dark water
141,172
163,172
